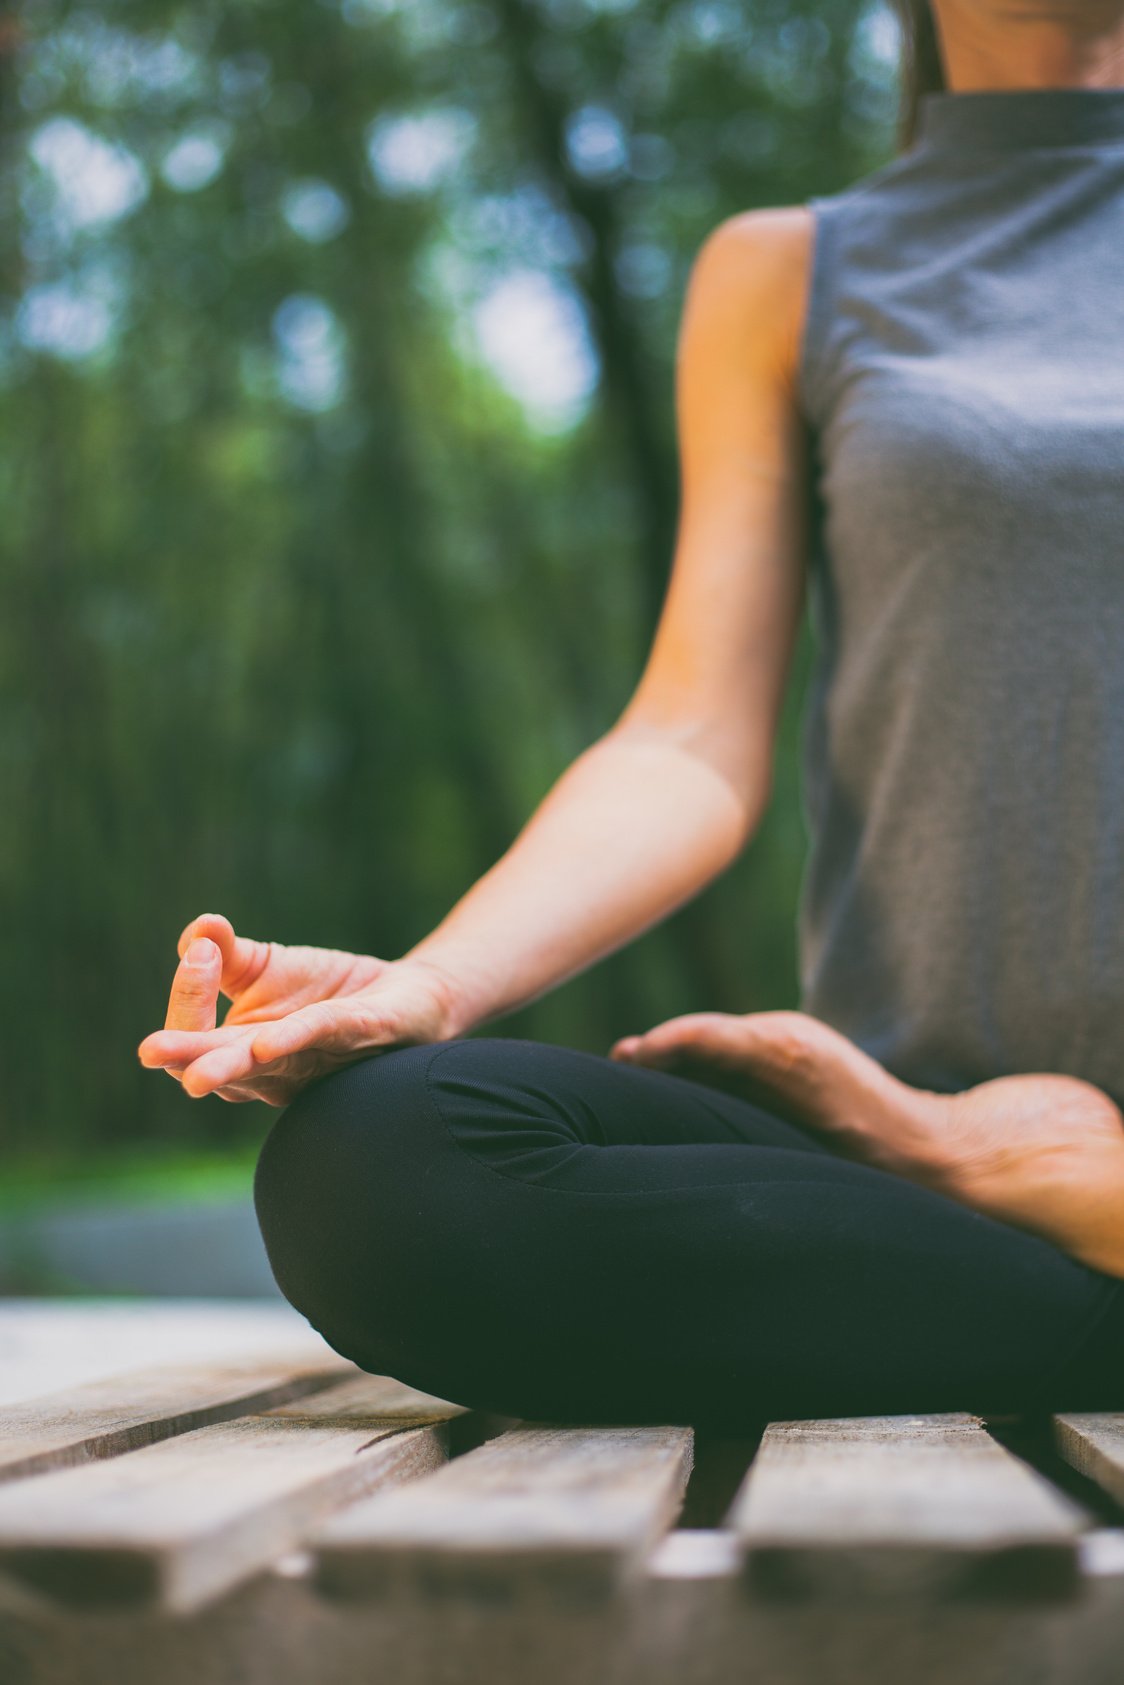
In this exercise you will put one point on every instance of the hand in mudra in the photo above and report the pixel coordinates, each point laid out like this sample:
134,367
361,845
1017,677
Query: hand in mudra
1040,1150
296,1013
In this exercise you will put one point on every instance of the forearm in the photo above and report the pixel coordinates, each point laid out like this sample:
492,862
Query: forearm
633,828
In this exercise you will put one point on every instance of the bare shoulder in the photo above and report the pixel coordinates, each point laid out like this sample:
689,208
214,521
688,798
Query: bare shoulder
750,277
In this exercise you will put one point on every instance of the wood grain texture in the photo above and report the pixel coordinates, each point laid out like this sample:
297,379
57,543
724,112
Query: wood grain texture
565,1511
107,1417
1093,1442
51,1345
902,1503
179,1522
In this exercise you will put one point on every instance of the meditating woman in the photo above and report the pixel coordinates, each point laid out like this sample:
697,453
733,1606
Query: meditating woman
906,397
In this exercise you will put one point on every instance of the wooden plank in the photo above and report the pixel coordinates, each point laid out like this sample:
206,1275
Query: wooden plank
48,1345
179,1522
107,1417
566,1510
891,1504
1102,1554
1093,1442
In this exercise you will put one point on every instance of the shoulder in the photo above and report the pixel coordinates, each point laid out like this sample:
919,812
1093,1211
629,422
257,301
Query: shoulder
748,284
758,244
761,253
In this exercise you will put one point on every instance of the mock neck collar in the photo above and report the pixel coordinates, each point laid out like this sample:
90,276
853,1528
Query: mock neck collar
1022,117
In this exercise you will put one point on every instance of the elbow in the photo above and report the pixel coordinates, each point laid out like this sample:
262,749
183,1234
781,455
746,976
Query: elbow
748,776
738,763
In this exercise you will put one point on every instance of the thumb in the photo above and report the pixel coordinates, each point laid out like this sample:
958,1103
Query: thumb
193,1003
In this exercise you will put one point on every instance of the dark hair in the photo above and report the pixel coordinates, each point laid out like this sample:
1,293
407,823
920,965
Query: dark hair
922,69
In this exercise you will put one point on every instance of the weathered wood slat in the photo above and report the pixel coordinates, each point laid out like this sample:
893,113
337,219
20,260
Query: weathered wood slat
50,1345
181,1521
123,1412
566,1510
902,1503
1093,1442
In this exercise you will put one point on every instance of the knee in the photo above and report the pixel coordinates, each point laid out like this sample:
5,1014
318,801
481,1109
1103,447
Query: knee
325,1186
381,1226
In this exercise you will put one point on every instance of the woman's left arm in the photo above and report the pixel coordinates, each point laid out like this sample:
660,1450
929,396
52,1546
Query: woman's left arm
1041,1150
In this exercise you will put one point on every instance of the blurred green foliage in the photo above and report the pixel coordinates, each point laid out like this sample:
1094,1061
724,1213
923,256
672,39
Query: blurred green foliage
339,484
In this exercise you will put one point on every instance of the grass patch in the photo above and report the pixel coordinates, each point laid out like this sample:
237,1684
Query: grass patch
154,1175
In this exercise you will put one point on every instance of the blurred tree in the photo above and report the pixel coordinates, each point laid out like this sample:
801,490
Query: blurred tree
339,479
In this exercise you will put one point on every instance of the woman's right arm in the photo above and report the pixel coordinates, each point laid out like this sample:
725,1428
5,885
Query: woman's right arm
647,815
666,800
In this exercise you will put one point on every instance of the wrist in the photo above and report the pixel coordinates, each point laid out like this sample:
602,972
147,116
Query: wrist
457,1009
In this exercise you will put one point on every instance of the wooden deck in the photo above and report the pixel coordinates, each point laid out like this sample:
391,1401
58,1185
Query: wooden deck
207,1493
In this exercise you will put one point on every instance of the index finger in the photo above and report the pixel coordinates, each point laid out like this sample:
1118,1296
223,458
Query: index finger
243,957
180,1047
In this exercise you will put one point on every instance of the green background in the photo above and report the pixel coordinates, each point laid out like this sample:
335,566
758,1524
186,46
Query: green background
309,595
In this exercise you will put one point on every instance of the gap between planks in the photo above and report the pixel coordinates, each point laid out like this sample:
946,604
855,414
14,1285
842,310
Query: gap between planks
180,1521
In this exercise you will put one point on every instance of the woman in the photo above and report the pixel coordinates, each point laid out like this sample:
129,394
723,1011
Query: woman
910,1194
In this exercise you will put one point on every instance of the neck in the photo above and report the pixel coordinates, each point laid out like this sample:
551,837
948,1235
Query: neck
1009,44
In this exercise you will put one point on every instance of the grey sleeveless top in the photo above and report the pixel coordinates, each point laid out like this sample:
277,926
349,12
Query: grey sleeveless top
962,375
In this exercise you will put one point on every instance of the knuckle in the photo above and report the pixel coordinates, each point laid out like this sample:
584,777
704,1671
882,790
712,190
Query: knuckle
789,1042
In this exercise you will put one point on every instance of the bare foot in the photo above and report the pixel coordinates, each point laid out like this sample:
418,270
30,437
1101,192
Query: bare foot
1045,1152
1042,1151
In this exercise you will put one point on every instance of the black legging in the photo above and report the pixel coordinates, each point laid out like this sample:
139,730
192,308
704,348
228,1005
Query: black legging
546,1233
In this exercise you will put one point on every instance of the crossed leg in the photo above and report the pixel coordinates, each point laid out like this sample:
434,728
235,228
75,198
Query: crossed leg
552,1234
